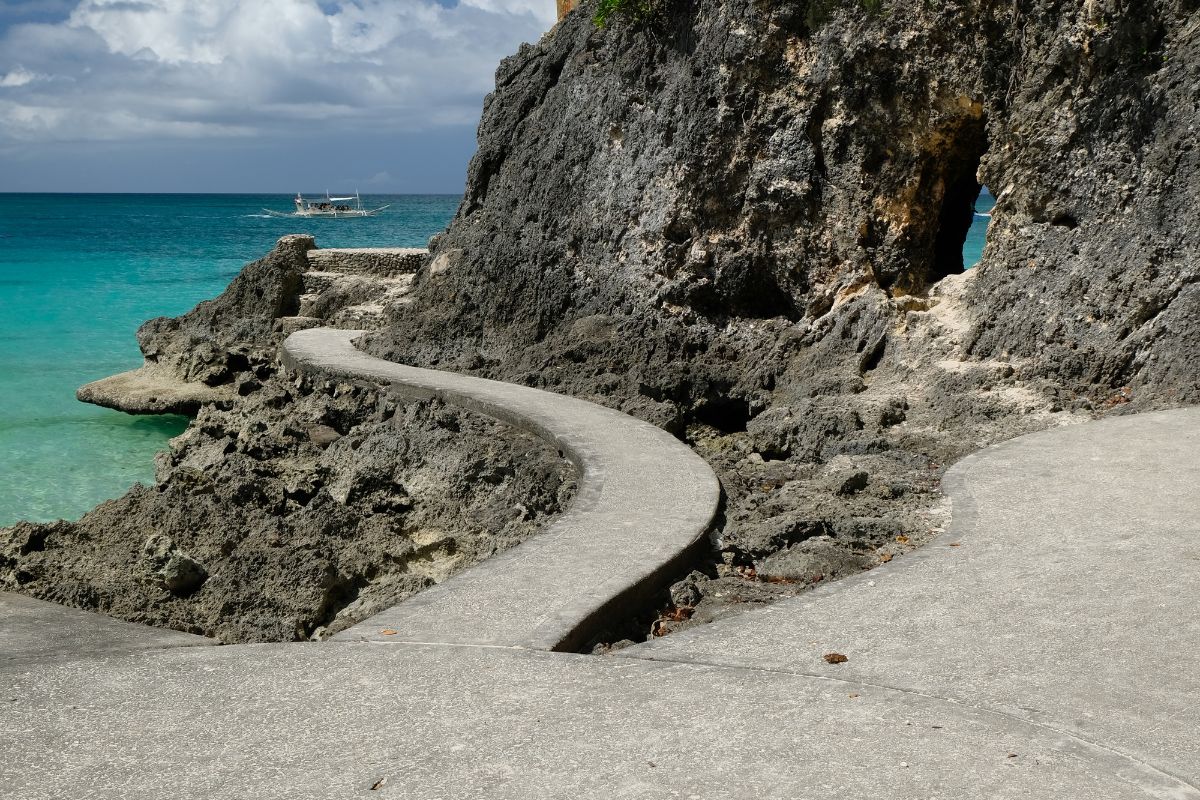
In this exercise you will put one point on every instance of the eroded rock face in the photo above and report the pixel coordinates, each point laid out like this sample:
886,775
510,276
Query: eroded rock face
299,512
207,356
745,224
221,338
714,190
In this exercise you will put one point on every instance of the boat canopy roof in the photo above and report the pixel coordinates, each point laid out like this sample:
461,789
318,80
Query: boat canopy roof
342,199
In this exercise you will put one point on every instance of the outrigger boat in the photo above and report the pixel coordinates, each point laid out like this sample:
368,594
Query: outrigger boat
337,207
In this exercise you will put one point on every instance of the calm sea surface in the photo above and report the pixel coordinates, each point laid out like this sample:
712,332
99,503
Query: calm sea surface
973,248
79,274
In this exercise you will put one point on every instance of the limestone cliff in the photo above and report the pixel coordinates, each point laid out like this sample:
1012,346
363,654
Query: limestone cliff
723,183
744,220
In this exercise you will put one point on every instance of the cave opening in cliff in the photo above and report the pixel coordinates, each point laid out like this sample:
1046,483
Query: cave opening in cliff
961,191
977,235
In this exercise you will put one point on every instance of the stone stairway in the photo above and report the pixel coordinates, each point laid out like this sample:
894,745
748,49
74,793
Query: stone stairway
354,287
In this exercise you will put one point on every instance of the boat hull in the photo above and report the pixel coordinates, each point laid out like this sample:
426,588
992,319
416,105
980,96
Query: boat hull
352,214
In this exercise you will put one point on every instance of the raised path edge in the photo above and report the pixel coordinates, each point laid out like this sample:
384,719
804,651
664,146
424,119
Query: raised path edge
644,506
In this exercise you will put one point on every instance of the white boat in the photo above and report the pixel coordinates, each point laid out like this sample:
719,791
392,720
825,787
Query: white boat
335,207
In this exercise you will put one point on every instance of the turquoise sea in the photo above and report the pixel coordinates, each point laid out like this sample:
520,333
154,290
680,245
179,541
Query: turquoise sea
973,248
80,273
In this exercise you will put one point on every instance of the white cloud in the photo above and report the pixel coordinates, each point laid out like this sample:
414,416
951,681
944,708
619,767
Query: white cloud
19,76
135,69
536,8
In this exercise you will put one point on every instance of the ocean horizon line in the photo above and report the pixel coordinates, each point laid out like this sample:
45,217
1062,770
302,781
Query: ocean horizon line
220,194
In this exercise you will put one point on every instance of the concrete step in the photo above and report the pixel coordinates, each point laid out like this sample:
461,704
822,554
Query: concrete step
289,325
316,281
307,302
364,316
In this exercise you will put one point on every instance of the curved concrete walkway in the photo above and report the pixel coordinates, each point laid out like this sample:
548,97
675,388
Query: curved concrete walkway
1065,596
1048,646
643,506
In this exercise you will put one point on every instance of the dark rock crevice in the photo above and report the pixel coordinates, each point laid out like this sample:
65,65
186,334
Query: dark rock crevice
961,188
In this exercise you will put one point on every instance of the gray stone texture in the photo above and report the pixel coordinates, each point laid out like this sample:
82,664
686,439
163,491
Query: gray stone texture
35,634
741,223
288,509
305,521
380,261
205,356
743,185
202,357
154,389
734,223
1064,594
266,525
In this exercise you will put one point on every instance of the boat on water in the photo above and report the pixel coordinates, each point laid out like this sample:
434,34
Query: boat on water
333,207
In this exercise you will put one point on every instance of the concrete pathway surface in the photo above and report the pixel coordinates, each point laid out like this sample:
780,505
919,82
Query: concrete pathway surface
1053,653
1066,593
34,632
643,506
322,721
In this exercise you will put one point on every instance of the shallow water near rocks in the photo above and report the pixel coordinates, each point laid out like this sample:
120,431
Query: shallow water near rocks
80,273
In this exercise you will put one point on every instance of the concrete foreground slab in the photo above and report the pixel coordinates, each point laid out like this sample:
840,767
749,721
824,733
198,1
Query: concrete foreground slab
34,632
421,721
1066,592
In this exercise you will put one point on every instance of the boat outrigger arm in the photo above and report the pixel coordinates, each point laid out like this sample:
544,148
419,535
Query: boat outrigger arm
334,207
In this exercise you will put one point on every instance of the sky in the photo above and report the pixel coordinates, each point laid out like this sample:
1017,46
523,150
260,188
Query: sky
380,96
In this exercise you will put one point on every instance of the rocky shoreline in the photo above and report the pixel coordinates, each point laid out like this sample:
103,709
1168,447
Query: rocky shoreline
293,509
290,508
745,224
